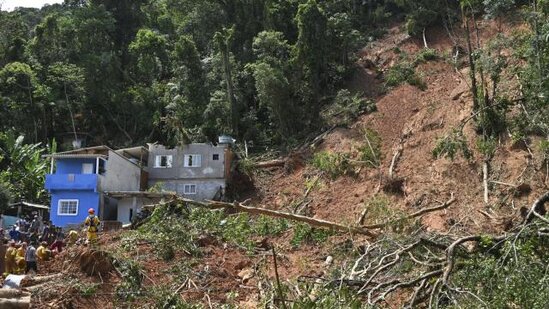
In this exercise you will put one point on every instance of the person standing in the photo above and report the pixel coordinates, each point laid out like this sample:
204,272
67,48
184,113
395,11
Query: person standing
30,259
14,233
35,225
11,252
20,264
92,222
45,233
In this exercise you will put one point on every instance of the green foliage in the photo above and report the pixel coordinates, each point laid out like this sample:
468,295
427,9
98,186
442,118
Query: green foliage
304,233
5,197
370,152
22,168
246,166
378,209
141,71
403,72
331,163
422,13
172,228
88,290
544,149
511,274
497,8
347,107
452,144
426,55
165,298
487,146
130,287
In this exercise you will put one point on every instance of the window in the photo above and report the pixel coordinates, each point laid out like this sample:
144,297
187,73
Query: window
163,161
87,168
67,207
189,189
192,160
215,157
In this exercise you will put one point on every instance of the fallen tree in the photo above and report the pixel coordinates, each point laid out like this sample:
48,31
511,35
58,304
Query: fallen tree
279,214
424,266
368,230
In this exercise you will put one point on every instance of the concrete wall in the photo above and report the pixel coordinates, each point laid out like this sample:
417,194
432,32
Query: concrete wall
206,189
86,200
133,203
208,169
120,175
72,165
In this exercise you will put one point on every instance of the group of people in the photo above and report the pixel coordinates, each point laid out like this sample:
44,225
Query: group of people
28,244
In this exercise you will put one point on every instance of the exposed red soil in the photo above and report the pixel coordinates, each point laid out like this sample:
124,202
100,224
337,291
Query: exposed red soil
419,118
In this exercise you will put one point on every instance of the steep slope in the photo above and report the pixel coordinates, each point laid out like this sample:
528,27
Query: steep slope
413,119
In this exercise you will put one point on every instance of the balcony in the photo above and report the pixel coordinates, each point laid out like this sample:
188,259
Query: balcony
72,182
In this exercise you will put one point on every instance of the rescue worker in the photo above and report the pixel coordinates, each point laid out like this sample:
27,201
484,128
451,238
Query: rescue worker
43,253
73,237
92,222
11,253
20,258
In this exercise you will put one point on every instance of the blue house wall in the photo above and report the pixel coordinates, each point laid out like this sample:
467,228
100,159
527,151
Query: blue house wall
68,183
86,199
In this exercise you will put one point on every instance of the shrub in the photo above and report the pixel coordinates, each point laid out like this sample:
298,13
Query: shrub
425,55
403,72
304,233
347,107
333,164
449,145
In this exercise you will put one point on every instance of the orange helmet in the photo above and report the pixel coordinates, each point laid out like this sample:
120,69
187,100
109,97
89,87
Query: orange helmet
91,211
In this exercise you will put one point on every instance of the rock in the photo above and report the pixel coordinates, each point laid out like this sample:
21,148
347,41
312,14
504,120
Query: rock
329,260
459,90
246,274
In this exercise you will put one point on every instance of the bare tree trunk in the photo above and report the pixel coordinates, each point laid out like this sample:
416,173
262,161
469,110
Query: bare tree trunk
474,87
485,169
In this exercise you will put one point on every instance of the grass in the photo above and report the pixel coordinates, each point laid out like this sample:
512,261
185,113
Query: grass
370,152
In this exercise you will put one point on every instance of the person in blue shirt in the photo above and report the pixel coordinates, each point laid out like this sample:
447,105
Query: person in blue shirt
14,234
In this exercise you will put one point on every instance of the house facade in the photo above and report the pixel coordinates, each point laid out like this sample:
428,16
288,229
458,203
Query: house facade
78,181
118,183
195,171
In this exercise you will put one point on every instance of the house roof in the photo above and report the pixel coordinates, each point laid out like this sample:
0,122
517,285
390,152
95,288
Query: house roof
101,152
91,152
31,205
145,194
75,156
141,153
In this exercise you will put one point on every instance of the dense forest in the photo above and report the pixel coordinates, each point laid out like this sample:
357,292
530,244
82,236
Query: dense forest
127,72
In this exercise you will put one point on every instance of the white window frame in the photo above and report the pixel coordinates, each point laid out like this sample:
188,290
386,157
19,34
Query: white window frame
196,158
91,170
158,161
59,202
185,186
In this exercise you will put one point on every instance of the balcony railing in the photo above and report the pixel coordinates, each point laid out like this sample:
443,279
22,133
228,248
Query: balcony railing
72,182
